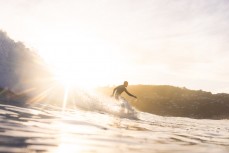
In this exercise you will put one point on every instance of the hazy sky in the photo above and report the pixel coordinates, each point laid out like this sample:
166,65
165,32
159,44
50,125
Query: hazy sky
177,42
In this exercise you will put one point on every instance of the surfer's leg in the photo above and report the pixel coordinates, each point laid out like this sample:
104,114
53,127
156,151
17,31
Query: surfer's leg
116,97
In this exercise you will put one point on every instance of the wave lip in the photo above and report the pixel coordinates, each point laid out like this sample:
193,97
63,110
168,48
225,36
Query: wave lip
20,68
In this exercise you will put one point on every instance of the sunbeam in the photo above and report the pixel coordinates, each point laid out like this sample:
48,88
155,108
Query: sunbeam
66,90
39,97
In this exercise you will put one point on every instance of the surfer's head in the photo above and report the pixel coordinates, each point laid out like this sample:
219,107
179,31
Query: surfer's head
125,83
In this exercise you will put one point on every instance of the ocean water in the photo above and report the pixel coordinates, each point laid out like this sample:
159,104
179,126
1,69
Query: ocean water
93,125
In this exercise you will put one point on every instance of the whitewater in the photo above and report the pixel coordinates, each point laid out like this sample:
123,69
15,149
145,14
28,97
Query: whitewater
99,124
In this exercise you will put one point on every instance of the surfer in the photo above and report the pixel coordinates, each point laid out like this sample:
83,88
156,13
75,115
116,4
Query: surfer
119,89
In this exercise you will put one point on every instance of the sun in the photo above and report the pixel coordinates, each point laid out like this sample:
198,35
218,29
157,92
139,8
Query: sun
84,62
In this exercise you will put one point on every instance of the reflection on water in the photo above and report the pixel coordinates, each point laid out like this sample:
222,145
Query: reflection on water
51,130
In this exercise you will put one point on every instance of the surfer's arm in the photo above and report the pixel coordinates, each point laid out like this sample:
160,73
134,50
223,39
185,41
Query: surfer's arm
130,94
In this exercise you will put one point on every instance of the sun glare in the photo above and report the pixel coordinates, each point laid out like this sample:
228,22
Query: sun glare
86,62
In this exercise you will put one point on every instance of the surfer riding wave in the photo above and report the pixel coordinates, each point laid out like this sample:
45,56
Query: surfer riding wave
119,89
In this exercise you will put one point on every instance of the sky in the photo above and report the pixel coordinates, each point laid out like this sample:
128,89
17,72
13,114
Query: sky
182,43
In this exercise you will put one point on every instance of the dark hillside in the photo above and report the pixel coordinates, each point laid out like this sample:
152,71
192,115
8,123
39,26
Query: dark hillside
175,101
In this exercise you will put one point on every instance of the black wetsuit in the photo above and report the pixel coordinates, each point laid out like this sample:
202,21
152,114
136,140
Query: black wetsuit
118,90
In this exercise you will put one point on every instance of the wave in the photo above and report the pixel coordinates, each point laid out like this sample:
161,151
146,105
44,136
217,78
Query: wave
25,81
89,101
21,69
96,102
